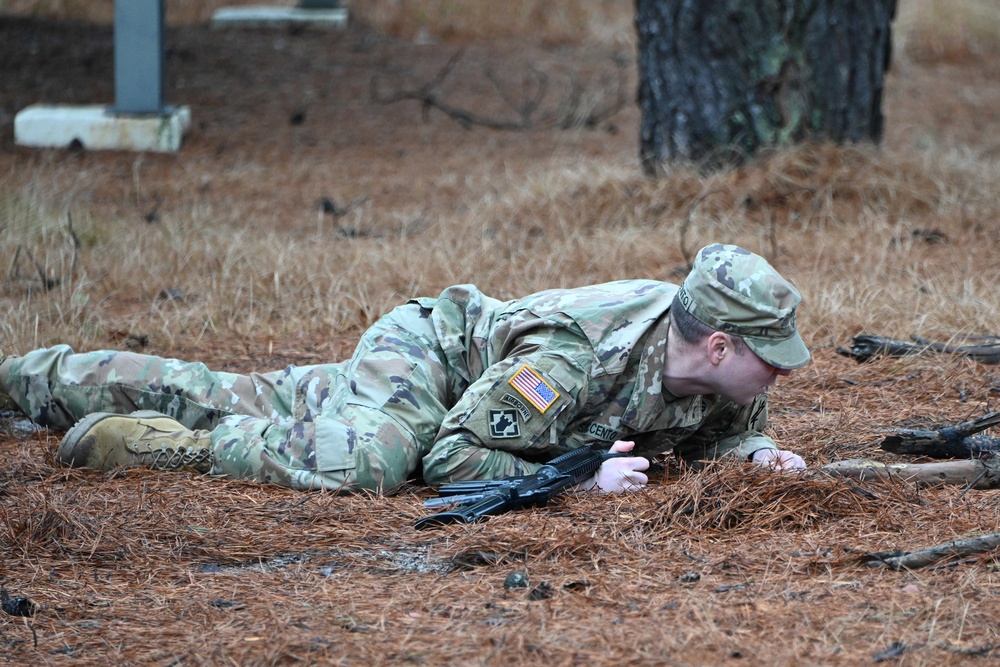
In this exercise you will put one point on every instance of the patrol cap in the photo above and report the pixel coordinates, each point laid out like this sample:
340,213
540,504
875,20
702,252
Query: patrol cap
737,292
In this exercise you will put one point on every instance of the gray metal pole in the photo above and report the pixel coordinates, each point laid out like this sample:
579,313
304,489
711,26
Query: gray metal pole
139,56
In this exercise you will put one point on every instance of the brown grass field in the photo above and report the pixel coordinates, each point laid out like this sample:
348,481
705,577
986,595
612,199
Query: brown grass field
223,253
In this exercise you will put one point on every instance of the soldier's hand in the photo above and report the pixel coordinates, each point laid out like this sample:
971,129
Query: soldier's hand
620,474
778,459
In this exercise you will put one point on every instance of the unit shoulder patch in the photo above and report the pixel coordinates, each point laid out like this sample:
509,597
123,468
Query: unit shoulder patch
504,423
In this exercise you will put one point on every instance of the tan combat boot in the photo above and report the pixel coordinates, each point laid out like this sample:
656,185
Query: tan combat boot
105,441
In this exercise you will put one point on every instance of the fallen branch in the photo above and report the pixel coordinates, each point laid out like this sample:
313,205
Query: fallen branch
985,349
982,650
917,559
956,441
971,473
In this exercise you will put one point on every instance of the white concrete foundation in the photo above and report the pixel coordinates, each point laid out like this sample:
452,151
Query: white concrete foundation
99,128
278,16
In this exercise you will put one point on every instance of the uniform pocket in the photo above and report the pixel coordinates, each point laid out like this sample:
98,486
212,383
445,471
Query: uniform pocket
336,445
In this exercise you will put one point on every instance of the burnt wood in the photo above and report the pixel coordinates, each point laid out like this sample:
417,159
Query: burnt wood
949,442
864,347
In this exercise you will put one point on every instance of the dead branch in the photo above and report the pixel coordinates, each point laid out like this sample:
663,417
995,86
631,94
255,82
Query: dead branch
971,473
985,349
923,557
982,650
533,90
429,96
958,441
571,112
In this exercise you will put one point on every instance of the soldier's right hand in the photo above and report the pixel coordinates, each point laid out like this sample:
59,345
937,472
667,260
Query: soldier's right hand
620,474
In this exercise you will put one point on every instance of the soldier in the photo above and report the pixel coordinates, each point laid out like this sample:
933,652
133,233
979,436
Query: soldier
457,387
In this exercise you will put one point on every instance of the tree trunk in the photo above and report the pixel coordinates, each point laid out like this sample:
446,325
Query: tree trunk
721,79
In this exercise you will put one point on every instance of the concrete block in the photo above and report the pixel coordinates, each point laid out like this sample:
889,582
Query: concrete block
99,128
279,16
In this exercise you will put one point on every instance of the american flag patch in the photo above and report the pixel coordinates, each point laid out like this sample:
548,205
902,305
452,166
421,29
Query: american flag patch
537,391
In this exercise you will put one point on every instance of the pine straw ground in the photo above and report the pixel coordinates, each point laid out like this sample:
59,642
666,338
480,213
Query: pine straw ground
212,255
730,564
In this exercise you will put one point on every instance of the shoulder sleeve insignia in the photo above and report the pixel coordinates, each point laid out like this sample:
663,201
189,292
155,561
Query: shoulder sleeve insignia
503,424
535,390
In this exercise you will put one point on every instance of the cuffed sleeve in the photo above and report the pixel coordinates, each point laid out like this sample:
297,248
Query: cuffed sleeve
729,430
744,445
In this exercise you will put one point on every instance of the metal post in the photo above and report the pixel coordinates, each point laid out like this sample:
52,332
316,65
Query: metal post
139,56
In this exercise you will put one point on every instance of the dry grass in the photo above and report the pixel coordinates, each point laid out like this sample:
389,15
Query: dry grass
955,32
875,239
222,253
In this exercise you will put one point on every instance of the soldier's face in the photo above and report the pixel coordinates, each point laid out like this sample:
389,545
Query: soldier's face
744,376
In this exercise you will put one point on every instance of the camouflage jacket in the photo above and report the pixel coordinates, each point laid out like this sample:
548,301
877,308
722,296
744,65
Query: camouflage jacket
539,376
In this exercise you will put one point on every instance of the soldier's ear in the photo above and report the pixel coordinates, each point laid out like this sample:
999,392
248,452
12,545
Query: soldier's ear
718,346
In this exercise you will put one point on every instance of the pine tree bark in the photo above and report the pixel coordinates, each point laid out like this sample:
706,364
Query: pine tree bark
721,79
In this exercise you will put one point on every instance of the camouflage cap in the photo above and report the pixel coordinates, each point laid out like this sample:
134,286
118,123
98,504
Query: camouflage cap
737,292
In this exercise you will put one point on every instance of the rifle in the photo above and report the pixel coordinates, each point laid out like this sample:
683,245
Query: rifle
476,500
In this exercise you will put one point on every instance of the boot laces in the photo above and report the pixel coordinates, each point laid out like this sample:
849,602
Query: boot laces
162,457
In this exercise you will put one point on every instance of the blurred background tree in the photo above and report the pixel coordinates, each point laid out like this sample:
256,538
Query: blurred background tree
721,79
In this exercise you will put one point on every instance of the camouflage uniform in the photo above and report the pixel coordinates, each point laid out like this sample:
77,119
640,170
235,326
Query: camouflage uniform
456,387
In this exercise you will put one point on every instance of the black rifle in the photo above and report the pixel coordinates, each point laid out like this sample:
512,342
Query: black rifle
476,500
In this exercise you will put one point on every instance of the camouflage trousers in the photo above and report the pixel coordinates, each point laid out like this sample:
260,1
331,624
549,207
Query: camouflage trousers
360,424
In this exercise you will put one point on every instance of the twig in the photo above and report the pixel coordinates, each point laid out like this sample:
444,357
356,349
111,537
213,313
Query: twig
47,283
76,243
969,651
917,559
533,90
568,115
429,97
895,650
973,483
687,253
